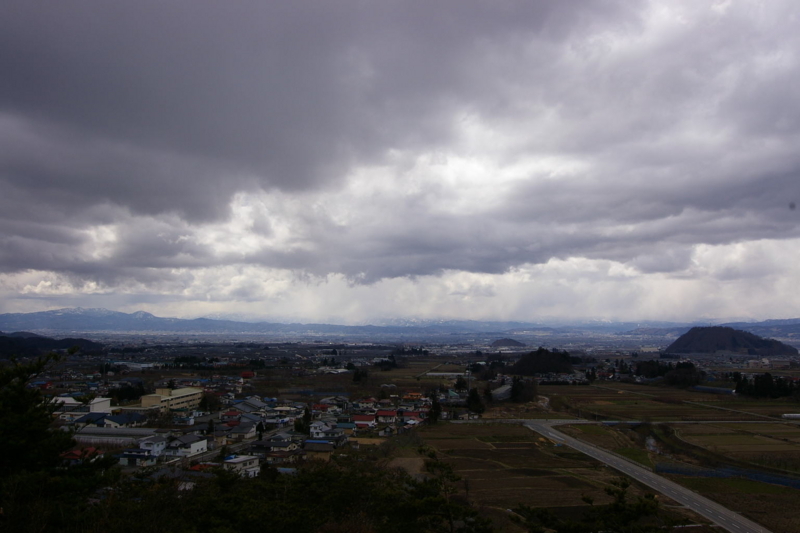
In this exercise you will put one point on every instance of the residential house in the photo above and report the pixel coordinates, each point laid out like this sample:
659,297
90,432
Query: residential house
230,415
251,418
243,431
386,431
341,402
318,450
365,421
136,457
250,405
75,457
275,452
187,446
91,419
155,445
386,416
348,427
244,465
274,422
320,431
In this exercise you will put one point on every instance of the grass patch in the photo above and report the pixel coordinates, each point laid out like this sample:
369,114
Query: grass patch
733,485
508,438
591,429
637,455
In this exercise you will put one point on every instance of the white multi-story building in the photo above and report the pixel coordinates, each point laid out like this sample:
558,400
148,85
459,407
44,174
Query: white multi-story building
173,399
70,409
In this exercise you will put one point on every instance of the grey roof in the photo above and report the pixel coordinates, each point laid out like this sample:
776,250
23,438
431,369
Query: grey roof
116,432
244,407
185,440
154,440
255,402
243,428
318,447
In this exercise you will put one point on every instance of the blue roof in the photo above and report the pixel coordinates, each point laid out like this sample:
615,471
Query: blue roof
127,418
88,418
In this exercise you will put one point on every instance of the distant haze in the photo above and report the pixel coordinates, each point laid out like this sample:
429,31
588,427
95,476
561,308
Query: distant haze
352,162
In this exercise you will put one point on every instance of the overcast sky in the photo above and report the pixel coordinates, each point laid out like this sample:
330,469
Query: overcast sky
354,161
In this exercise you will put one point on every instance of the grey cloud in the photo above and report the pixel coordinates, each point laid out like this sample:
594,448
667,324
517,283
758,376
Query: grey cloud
151,116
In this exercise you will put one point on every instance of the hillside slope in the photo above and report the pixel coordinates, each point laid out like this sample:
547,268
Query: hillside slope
724,339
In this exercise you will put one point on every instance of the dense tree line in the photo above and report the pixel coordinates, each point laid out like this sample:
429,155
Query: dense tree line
409,351
194,362
683,374
388,363
766,386
543,361
127,393
523,390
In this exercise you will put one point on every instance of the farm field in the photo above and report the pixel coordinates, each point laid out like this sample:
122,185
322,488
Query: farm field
622,401
612,439
504,465
771,505
773,445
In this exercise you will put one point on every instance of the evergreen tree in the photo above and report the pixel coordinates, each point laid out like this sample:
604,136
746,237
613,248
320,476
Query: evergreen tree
474,402
38,490
435,412
303,425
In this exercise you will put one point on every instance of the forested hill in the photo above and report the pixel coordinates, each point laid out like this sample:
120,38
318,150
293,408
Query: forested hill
12,345
718,338
505,343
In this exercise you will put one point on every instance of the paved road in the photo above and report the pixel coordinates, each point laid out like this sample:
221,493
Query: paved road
723,517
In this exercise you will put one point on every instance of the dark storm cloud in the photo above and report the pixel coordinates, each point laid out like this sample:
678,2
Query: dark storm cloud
667,130
289,93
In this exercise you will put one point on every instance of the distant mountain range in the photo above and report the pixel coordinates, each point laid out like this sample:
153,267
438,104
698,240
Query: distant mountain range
782,329
728,340
72,321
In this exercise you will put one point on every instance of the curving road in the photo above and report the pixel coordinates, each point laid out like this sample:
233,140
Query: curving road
722,516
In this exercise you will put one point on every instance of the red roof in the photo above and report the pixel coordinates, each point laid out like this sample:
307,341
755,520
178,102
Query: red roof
386,413
363,418
203,466
83,453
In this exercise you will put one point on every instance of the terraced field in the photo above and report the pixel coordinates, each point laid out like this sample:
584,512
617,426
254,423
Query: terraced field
504,465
